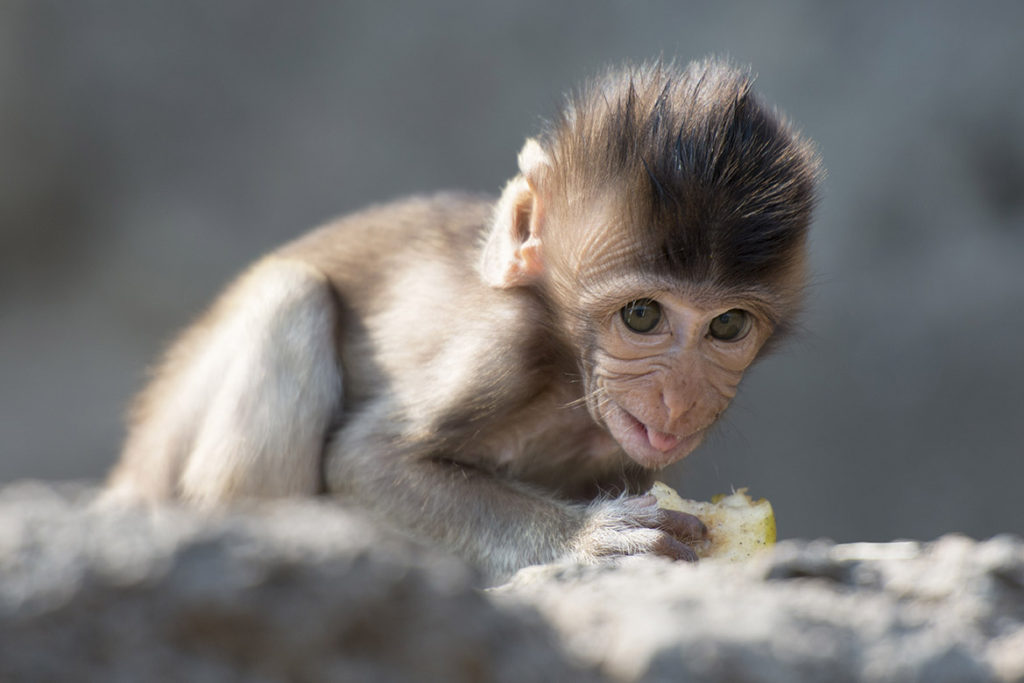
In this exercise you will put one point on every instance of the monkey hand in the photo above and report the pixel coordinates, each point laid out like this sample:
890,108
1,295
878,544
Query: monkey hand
636,525
739,526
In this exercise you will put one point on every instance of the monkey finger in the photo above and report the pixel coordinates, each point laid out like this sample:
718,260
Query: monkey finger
683,526
667,546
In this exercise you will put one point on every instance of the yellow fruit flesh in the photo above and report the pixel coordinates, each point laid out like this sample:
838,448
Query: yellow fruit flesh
738,526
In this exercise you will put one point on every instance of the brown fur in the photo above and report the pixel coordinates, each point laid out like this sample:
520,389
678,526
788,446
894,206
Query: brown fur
719,186
458,367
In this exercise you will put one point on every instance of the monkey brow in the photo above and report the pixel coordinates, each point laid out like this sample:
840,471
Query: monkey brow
762,300
611,294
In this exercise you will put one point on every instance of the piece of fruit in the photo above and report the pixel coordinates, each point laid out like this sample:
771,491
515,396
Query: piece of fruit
738,526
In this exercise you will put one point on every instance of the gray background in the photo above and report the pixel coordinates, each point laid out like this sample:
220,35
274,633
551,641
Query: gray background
148,151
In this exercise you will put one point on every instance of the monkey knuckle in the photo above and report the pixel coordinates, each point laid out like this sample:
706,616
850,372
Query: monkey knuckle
636,506
621,537
631,526
654,542
650,541
649,517
624,515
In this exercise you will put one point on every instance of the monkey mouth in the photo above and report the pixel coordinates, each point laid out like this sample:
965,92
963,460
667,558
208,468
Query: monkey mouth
662,441
646,445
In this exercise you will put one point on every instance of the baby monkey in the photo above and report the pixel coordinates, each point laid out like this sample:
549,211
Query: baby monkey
505,378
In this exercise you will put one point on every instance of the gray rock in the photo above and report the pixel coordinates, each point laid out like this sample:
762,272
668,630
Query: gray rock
952,610
307,590
300,590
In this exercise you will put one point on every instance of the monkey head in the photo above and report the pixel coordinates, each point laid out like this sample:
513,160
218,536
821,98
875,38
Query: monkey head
663,214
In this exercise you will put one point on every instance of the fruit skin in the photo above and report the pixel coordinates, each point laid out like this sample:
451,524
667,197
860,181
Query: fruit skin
738,526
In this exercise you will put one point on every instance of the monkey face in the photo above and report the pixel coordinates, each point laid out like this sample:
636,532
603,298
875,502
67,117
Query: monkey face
666,365
664,222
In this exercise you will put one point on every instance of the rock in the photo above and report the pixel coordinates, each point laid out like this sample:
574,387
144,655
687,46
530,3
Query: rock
307,590
952,610
298,590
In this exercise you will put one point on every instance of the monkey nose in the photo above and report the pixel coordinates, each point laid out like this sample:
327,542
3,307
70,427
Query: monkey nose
677,404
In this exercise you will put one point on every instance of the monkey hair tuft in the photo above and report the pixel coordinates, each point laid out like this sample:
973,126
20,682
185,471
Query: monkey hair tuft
721,186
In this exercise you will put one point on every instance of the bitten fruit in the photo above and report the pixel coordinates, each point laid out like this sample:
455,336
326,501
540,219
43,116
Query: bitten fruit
738,526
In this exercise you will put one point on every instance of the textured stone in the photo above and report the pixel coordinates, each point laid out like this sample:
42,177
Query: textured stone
952,610
301,590
306,590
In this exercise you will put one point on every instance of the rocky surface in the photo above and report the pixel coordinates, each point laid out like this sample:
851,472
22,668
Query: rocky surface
309,591
948,611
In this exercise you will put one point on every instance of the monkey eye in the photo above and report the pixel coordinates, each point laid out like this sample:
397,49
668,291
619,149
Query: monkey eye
732,325
641,315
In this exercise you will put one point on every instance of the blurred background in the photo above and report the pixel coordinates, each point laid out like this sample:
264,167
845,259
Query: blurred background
149,151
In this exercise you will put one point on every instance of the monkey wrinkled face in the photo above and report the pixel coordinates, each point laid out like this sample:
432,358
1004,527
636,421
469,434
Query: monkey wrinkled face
665,365
663,215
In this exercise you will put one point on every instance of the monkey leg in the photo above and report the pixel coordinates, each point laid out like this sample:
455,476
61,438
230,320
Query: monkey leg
242,404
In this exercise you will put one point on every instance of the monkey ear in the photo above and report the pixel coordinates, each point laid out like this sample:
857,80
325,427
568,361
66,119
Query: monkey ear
511,255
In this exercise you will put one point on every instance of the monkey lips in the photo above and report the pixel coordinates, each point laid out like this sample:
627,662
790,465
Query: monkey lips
646,445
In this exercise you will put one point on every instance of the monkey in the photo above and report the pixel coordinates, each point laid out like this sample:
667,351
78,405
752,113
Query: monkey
504,378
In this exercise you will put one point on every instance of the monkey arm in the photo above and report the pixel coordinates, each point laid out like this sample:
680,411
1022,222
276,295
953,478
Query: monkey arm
651,244
500,525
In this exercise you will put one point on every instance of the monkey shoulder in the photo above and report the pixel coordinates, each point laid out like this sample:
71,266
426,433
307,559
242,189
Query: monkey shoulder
445,225
460,351
417,325
441,361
